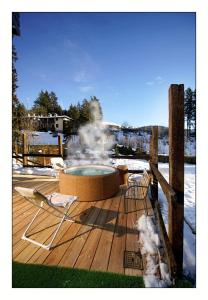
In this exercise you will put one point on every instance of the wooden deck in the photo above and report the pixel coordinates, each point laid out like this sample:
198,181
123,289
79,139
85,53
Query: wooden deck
96,241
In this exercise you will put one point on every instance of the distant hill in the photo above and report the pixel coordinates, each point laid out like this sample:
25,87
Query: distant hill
162,130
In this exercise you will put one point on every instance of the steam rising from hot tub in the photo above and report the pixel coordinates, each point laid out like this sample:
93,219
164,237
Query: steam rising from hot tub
93,142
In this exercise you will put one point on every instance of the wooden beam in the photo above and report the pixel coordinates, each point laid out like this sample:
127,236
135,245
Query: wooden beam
154,160
25,148
176,171
60,145
167,189
41,155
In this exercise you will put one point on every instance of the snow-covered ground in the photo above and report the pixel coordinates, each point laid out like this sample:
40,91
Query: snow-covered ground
189,207
18,169
142,140
43,138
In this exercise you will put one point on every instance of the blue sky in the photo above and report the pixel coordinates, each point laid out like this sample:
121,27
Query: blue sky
127,60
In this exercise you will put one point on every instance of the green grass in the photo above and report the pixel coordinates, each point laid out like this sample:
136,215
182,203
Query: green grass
38,276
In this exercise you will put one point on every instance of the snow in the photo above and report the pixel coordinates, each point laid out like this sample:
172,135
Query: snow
17,169
189,207
111,124
133,164
142,140
43,138
150,242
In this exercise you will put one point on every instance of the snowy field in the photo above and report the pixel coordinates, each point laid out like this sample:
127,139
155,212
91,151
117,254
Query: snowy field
43,138
142,140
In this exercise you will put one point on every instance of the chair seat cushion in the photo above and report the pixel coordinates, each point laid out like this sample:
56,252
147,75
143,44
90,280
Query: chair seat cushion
58,199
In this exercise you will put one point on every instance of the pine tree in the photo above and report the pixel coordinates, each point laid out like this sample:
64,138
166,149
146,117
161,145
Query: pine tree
190,110
18,108
47,103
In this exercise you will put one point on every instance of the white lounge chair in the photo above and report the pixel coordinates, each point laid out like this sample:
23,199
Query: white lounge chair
59,202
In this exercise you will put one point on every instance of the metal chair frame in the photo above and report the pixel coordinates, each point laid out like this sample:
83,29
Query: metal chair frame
62,214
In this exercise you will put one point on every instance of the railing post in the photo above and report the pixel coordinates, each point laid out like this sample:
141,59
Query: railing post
154,160
176,171
60,145
25,148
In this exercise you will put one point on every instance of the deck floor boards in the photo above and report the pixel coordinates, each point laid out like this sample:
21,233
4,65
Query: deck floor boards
96,241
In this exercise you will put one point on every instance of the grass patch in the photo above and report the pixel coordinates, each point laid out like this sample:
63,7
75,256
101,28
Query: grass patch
38,276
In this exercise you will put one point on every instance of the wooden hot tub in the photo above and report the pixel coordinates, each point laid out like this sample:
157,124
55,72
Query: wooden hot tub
90,182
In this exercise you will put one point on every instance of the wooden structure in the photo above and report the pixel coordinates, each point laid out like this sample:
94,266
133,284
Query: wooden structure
96,241
174,190
36,159
176,170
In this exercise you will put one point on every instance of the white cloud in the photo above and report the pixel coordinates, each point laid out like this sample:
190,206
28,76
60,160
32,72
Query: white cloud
80,76
86,88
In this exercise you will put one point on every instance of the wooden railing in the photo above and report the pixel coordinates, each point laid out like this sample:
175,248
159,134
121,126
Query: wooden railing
27,154
174,190
171,197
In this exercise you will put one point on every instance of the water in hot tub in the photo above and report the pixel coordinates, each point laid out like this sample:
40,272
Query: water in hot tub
89,171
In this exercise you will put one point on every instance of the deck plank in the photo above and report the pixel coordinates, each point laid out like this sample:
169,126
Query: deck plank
88,251
100,261
72,253
119,242
64,237
96,241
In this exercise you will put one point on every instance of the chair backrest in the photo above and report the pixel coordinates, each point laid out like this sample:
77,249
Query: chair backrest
57,162
32,195
145,181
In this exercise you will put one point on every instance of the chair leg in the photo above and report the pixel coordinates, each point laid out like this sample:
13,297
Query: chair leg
24,234
44,246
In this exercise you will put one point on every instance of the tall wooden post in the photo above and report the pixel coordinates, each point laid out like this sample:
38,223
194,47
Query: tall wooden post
154,160
25,148
176,171
60,145
15,148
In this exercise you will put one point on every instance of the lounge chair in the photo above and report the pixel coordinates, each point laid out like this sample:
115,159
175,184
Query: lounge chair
58,202
137,190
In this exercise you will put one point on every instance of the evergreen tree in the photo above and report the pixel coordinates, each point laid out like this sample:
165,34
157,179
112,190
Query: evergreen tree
18,109
190,110
47,103
85,112
74,114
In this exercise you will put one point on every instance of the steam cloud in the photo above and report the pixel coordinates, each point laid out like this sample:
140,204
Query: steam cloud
92,143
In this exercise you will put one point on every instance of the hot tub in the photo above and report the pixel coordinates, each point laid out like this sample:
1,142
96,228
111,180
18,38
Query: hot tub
90,182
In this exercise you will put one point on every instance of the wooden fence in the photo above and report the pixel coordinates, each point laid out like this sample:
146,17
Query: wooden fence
37,155
174,190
